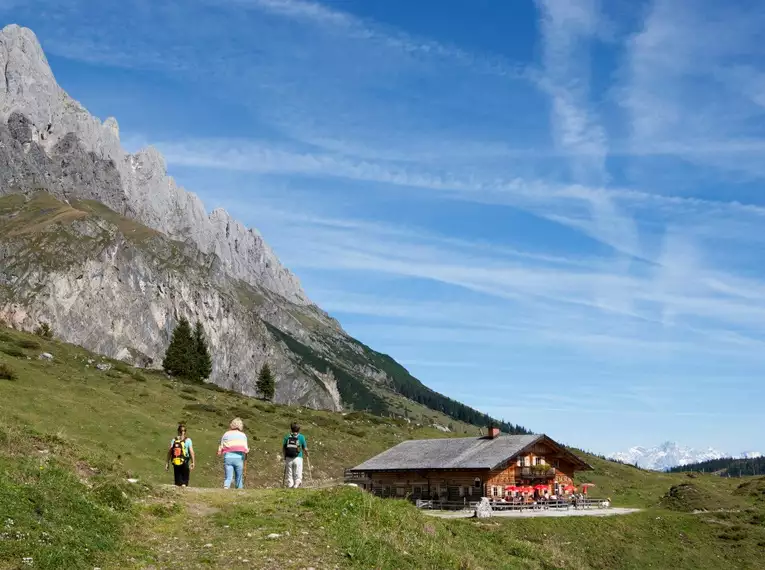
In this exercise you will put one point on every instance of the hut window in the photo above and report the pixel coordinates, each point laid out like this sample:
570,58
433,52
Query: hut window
477,483
400,491
417,491
539,460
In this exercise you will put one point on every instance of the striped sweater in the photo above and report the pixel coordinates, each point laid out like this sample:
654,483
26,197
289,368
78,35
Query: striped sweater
233,441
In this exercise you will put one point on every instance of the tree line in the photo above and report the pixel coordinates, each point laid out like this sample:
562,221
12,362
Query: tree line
188,357
726,466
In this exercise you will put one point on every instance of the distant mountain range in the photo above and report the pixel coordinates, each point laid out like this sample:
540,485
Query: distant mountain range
670,454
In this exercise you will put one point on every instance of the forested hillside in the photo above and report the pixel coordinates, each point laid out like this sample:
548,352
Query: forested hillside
727,466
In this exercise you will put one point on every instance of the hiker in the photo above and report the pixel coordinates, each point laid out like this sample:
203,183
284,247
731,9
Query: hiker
181,455
293,447
234,449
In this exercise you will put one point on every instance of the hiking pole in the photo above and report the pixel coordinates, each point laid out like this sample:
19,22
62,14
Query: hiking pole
244,472
308,462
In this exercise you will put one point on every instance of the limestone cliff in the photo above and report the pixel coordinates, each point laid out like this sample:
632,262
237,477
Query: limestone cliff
146,192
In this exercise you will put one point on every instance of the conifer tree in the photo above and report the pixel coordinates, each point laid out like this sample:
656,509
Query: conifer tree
203,367
180,358
266,384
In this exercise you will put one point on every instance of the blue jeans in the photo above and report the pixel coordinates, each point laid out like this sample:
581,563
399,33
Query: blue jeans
233,465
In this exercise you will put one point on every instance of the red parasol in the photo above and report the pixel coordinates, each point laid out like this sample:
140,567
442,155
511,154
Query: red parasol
511,488
541,488
569,488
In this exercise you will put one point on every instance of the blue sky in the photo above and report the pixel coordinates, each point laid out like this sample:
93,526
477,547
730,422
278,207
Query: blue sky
549,210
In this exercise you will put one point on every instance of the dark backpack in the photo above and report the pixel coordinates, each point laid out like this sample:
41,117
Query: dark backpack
292,447
178,452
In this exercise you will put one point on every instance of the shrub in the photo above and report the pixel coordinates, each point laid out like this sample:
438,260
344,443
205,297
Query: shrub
165,511
6,372
325,421
4,337
111,495
123,367
243,413
188,397
188,390
29,344
12,351
201,408
44,331
137,376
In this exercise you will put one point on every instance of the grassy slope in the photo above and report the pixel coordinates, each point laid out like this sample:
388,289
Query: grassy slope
88,430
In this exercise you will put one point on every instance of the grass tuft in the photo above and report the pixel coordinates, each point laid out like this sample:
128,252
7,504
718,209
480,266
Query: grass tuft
28,344
13,351
6,372
137,376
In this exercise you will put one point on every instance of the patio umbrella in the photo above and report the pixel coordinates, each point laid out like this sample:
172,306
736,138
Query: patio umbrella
541,488
511,488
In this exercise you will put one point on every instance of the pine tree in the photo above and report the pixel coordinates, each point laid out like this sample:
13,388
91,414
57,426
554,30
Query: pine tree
266,384
203,367
180,358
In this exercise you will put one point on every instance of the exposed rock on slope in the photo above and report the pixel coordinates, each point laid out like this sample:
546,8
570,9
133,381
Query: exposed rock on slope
146,194
119,288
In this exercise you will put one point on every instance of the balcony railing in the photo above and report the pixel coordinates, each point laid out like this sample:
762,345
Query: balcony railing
537,472
349,475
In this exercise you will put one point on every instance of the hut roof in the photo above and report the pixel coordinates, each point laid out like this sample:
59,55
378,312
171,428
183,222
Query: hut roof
456,453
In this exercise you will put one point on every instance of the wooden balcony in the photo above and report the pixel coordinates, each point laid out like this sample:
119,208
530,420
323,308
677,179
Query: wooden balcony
537,472
352,476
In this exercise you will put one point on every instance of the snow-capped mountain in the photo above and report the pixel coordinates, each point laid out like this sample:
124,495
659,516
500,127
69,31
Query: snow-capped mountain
751,455
666,456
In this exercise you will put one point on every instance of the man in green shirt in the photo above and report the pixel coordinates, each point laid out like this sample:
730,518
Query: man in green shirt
293,447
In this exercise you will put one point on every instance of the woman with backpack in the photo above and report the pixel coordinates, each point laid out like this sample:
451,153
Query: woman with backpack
181,455
234,449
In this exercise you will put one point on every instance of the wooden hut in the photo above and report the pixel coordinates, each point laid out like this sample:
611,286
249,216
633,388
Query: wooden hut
466,469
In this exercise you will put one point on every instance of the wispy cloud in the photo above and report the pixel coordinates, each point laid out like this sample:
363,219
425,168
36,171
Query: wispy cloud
357,28
692,97
677,302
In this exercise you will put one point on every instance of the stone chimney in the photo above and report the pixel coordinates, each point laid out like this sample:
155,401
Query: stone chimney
493,432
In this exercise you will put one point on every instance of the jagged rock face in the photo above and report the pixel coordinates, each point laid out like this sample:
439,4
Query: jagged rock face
147,194
93,269
121,289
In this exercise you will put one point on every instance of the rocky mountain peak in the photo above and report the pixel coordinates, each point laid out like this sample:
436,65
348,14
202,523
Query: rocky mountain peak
144,191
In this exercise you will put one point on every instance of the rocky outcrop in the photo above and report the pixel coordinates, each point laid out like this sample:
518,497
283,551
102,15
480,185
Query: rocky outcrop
119,289
147,194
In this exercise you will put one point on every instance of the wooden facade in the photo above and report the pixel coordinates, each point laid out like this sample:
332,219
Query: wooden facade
543,463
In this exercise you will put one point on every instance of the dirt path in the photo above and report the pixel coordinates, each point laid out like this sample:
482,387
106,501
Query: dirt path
612,511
